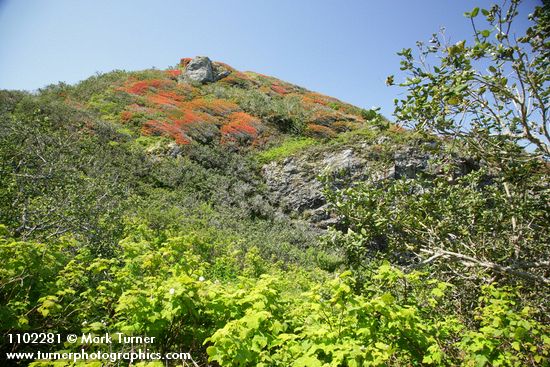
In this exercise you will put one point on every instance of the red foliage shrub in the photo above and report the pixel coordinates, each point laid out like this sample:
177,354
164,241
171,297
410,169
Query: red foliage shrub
279,89
242,128
189,117
173,73
232,129
319,131
137,87
154,127
242,118
142,86
185,61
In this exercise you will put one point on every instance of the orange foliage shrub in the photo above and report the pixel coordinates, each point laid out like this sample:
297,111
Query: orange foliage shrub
237,78
186,89
173,73
242,128
318,98
126,116
279,89
216,107
224,66
185,61
165,98
325,117
342,126
396,128
319,131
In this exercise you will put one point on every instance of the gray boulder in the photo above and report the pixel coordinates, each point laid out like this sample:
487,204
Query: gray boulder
219,72
202,70
199,70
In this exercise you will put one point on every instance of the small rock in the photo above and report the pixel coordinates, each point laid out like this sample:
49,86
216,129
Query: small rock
219,72
382,140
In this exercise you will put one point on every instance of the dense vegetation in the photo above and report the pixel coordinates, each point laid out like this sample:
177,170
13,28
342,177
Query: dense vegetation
134,202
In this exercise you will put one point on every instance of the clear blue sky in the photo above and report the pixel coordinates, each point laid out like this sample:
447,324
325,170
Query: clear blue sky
341,48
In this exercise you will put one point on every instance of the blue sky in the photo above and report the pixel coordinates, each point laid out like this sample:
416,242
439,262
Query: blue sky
342,48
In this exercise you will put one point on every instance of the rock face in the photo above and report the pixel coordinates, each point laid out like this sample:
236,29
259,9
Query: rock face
202,70
408,163
295,186
199,70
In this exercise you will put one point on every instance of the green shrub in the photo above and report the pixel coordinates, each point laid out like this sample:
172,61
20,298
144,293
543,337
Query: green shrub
287,148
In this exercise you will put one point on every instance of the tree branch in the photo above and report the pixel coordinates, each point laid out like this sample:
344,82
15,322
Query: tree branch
468,260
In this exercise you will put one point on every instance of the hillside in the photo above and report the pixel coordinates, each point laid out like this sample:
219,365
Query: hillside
252,222
226,106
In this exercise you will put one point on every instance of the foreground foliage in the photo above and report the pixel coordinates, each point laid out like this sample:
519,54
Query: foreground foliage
164,286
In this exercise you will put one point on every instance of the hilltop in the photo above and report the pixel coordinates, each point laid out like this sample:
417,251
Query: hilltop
211,102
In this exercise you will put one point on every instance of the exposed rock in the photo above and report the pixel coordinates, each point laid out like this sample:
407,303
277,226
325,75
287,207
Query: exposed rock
202,70
409,162
382,140
295,186
174,149
199,70
219,72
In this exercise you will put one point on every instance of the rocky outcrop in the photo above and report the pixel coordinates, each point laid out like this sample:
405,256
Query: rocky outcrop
408,163
202,70
295,186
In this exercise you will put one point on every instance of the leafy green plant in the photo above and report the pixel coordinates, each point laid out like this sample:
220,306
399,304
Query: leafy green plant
508,335
490,90
426,222
287,148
